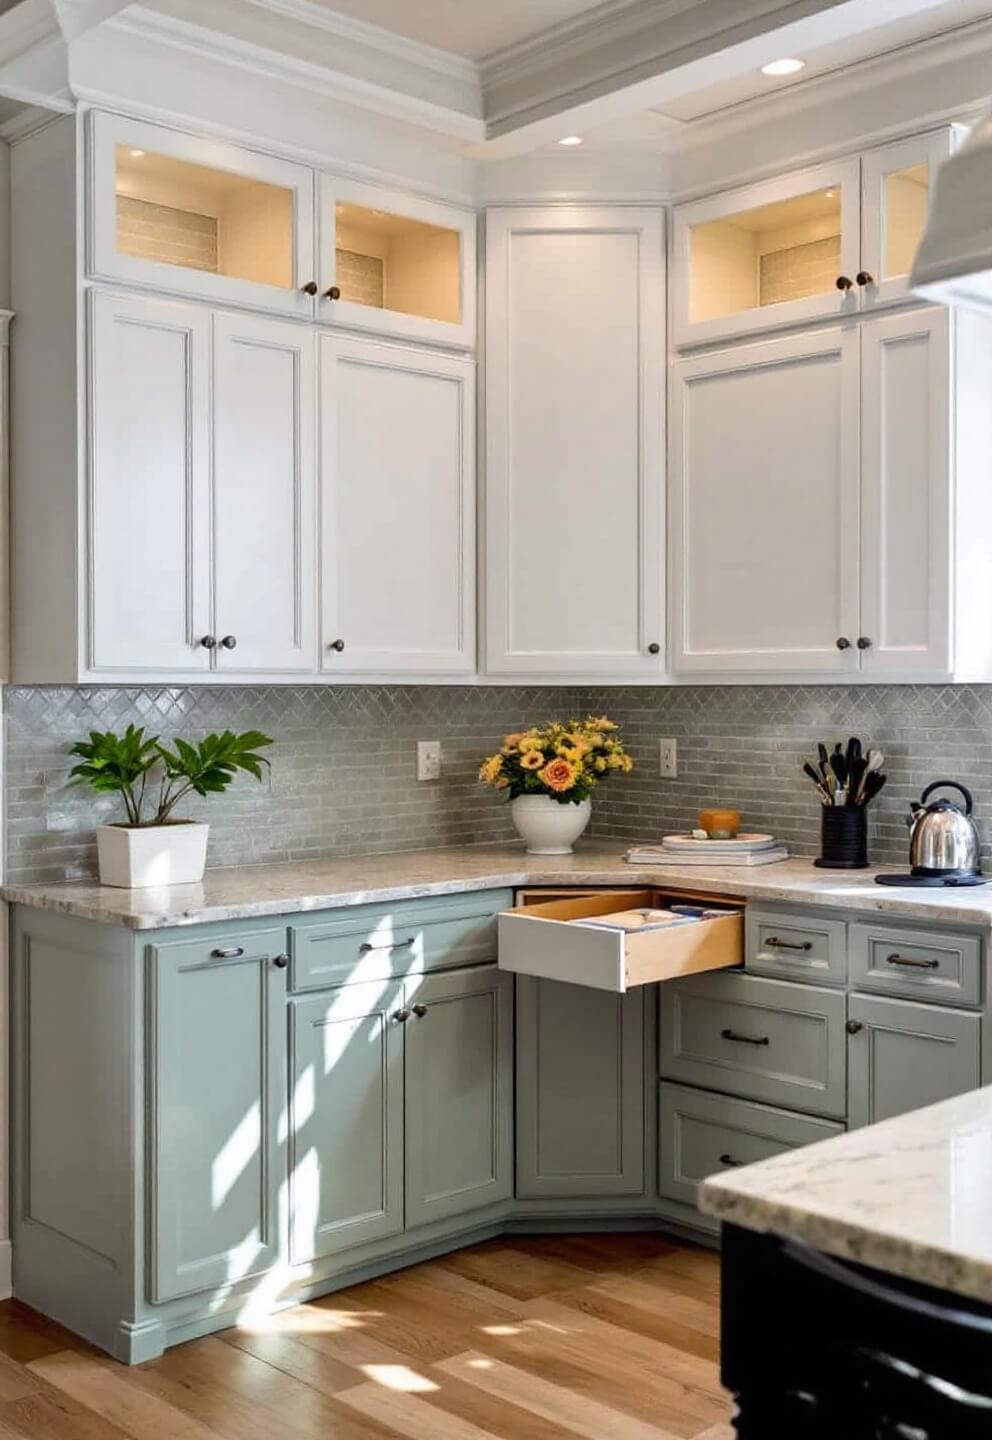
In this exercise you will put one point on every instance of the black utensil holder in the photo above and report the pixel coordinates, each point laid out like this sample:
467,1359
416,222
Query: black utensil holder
844,838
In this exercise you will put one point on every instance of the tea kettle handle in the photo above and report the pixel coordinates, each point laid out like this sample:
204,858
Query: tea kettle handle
949,785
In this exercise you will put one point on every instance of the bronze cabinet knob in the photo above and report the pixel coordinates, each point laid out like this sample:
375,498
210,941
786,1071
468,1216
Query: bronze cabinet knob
844,282
230,642
310,288
333,292
337,645
843,643
209,642
864,277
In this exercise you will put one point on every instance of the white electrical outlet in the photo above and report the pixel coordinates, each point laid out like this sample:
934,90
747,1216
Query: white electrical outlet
668,755
428,759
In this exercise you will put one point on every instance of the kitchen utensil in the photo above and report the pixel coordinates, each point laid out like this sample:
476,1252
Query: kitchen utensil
873,783
853,752
856,772
876,759
824,755
720,824
944,839
838,765
817,779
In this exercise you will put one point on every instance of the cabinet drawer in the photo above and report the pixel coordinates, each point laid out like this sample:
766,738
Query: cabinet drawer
702,1134
381,942
541,940
762,1039
796,947
942,969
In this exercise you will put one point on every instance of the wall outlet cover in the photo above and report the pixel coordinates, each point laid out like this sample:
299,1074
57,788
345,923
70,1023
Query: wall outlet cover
668,759
428,759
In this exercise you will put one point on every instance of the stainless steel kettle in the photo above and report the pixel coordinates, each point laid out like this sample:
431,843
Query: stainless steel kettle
944,838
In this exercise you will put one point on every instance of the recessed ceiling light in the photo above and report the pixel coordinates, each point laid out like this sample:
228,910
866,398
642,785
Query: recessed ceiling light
136,154
571,140
777,68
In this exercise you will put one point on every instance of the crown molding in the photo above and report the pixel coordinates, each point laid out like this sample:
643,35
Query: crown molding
337,60
621,44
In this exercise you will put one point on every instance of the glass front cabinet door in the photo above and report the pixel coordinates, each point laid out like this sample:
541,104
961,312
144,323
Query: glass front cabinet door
396,264
897,183
781,252
200,217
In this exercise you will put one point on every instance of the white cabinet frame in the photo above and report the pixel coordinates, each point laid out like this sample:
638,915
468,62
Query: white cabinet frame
105,261
842,175
932,150
394,322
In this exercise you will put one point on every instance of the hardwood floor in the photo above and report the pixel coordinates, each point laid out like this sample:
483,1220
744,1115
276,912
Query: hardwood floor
607,1337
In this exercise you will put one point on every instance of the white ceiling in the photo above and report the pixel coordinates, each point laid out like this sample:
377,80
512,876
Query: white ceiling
892,33
474,29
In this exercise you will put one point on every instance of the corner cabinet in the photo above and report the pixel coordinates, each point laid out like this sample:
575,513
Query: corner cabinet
574,394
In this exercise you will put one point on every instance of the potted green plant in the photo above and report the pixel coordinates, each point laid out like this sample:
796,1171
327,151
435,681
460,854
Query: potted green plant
152,846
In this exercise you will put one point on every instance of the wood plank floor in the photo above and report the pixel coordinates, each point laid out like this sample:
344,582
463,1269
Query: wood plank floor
602,1337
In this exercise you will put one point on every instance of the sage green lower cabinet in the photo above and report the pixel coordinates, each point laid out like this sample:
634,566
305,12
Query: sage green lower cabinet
701,1134
345,1119
580,1091
217,1094
903,1055
459,1093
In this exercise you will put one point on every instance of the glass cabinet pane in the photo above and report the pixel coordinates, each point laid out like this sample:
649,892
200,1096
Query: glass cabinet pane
906,200
391,262
784,251
174,212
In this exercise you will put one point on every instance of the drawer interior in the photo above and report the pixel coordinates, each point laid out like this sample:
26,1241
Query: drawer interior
543,940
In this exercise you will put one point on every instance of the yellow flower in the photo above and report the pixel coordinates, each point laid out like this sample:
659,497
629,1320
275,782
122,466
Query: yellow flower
572,747
491,769
600,764
532,760
559,775
511,742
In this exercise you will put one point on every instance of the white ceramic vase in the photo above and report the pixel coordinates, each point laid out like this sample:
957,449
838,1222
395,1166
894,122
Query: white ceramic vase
134,857
549,827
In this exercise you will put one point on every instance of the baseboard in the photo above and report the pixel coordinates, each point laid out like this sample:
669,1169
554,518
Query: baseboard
6,1269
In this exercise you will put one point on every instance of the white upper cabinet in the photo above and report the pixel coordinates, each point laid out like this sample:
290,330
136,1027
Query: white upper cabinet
149,603
397,509
264,500
200,217
575,380
778,253
764,507
396,264
906,488
896,183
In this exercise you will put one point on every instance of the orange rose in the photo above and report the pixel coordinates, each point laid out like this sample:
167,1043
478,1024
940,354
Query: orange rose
559,775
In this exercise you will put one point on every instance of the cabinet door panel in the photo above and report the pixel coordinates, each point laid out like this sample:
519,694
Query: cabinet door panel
345,1120
897,184
906,492
216,1094
397,508
149,475
765,486
908,1055
574,411
459,1093
264,494
580,1091
198,216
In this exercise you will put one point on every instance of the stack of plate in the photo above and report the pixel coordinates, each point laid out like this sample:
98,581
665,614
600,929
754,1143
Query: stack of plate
745,849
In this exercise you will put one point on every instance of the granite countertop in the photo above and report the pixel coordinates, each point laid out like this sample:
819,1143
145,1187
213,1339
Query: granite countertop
909,1196
259,890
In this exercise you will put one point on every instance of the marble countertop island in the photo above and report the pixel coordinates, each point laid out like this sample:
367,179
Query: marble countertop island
259,890
911,1196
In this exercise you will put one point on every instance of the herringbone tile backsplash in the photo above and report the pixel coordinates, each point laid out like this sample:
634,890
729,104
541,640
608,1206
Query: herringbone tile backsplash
343,771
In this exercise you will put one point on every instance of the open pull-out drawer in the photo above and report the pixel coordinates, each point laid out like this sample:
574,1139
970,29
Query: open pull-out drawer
542,940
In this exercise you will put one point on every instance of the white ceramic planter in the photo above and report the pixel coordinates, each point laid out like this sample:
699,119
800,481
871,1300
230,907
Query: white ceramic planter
152,854
549,827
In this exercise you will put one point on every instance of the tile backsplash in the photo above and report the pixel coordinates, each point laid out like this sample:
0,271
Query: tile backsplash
343,774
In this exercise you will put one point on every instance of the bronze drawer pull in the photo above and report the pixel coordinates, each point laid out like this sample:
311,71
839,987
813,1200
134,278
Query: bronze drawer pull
729,1160
232,952
365,948
774,943
913,964
745,1039
420,1011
